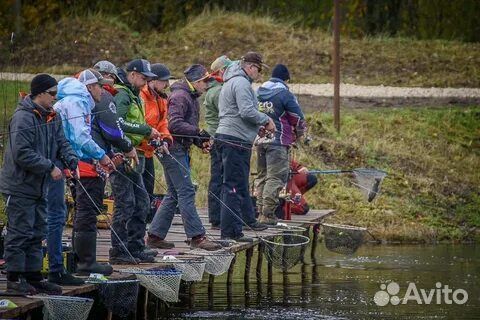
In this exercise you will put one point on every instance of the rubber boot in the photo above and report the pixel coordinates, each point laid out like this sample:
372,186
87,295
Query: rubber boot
85,246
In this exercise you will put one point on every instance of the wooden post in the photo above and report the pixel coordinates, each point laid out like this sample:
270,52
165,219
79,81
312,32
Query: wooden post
261,247
211,279
230,272
248,262
316,229
336,64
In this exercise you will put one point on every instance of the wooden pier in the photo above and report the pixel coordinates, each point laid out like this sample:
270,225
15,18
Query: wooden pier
27,306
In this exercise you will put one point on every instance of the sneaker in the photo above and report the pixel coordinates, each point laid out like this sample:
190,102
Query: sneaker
20,288
159,243
271,221
203,243
46,287
64,279
143,257
257,226
242,238
117,256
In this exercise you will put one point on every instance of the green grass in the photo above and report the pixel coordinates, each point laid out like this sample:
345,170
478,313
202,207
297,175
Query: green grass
432,156
72,43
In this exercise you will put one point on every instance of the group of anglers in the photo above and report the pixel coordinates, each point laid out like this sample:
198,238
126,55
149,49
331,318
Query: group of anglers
111,122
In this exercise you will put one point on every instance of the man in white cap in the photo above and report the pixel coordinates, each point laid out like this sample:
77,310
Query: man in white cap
77,100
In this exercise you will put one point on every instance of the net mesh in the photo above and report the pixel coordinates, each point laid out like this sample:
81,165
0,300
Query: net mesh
342,238
216,263
285,250
119,296
192,270
64,307
164,283
369,180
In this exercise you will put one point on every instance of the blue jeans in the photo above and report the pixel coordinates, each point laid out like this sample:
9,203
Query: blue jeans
180,193
237,209
132,204
215,185
56,216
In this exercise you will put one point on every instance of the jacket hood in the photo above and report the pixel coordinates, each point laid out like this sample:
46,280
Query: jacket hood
235,70
271,88
183,85
73,87
28,105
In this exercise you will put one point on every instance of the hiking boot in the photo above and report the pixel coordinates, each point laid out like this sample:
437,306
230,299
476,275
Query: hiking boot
150,251
64,279
46,287
20,288
143,257
85,247
242,238
202,242
117,256
268,220
156,242
257,226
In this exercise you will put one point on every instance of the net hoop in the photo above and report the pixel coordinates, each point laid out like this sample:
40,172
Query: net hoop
306,240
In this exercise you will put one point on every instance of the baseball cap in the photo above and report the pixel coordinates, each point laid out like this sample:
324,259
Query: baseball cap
254,57
196,72
91,76
142,66
161,72
106,67
220,63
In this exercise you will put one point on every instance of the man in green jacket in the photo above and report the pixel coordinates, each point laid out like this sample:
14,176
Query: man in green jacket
211,118
131,199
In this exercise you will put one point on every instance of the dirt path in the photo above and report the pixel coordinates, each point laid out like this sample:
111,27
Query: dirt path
319,96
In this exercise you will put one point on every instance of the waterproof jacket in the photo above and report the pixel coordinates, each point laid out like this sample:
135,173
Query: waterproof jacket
106,130
155,116
211,107
131,113
276,100
75,106
35,142
238,106
183,114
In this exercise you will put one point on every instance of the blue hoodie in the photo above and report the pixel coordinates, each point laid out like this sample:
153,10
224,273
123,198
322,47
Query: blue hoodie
276,100
75,108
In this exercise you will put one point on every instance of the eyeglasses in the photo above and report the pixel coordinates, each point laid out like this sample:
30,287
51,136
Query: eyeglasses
259,68
52,93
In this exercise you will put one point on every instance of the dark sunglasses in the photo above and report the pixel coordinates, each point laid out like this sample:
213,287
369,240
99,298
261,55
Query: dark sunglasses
52,93
259,68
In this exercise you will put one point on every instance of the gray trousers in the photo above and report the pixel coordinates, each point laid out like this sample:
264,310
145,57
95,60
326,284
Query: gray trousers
26,228
272,170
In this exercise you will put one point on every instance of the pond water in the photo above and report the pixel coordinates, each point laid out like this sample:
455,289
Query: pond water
332,286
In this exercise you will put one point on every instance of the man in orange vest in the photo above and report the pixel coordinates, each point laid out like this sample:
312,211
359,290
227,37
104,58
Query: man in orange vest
155,100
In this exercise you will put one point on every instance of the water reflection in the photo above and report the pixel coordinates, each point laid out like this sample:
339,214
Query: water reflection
331,286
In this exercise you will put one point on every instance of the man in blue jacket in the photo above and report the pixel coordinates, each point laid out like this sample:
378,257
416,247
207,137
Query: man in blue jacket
36,140
239,123
77,100
276,100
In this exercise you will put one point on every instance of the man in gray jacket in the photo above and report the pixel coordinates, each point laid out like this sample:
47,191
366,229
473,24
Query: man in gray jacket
239,123
35,142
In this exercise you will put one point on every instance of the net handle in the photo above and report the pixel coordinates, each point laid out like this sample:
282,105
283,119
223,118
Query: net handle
306,240
344,226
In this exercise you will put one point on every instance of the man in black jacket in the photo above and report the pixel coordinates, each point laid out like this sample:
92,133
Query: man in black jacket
36,140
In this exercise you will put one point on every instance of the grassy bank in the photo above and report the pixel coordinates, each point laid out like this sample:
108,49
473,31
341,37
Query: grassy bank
72,43
432,156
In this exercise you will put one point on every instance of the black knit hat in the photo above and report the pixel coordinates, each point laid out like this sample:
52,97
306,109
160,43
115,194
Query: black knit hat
41,83
280,71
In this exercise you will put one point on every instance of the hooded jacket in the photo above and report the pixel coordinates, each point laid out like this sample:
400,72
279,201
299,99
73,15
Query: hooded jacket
238,107
276,100
211,106
36,141
75,107
155,116
183,113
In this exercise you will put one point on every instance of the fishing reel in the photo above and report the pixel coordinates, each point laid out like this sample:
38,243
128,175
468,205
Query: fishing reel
160,146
